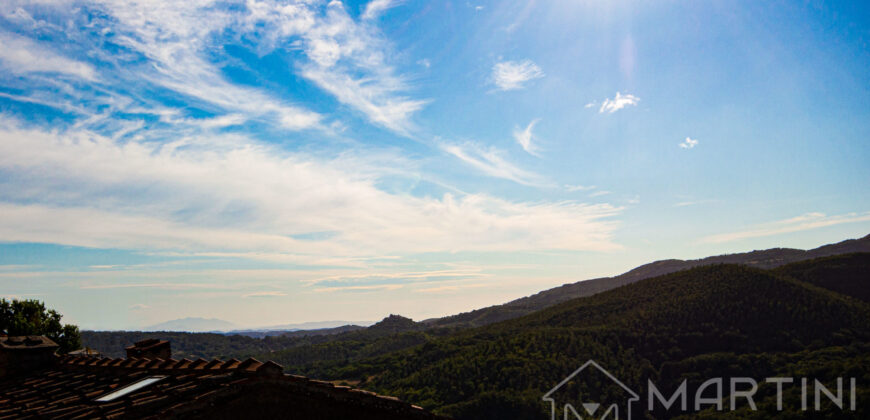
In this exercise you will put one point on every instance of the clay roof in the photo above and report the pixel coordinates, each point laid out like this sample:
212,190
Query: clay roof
26,342
181,389
85,352
147,344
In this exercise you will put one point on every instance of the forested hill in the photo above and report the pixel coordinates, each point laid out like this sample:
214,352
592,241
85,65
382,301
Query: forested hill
769,258
225,346
720,320
847,274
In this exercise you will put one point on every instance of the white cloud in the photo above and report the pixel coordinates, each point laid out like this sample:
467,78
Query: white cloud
375,7
451,288
417,278
16,267
219,122
139,306
573,188
264,294
618,102
795,224
367,288
512,75
689,143
22,55
234,196
599,193
491,162
692,203
524,138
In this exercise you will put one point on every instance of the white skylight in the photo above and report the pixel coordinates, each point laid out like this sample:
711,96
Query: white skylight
135,386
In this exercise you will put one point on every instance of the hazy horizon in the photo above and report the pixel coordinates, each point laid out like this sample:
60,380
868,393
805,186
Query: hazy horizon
271,163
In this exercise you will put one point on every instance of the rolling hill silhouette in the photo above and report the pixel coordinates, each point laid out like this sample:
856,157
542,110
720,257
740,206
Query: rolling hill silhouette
769,258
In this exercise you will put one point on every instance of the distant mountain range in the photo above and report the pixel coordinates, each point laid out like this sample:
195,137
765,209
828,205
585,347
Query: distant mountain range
769,258
193,324
197,324
304,328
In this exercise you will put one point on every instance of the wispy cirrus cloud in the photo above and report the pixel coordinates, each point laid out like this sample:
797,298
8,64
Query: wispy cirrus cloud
573,188
172,45
367,288
524,138
432,276
348,61
266,294
618,102
450,288
513,75
175,38
804,222
491,161
22,55
374,8
692,203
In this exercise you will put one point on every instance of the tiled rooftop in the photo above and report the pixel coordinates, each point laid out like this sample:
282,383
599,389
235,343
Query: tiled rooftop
70,386
25,342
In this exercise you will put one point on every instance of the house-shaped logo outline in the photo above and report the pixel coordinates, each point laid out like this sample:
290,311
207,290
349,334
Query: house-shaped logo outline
547,396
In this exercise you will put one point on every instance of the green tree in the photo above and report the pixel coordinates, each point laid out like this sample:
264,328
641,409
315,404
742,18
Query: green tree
30,317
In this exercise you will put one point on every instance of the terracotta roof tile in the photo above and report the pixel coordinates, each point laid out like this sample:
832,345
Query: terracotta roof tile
198,364
154,364
70,388
214,364
230,364
167,364
128,363
182,364
141,363
250,365
270,368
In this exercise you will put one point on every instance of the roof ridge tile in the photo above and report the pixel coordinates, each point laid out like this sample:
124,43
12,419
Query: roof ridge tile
167,364
198,364
250,364
214,364
270,369
231,364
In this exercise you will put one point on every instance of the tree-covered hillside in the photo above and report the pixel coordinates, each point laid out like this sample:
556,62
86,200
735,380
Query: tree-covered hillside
766,259
848,274
721,320
308,344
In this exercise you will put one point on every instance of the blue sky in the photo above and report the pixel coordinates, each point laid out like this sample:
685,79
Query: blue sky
269,162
